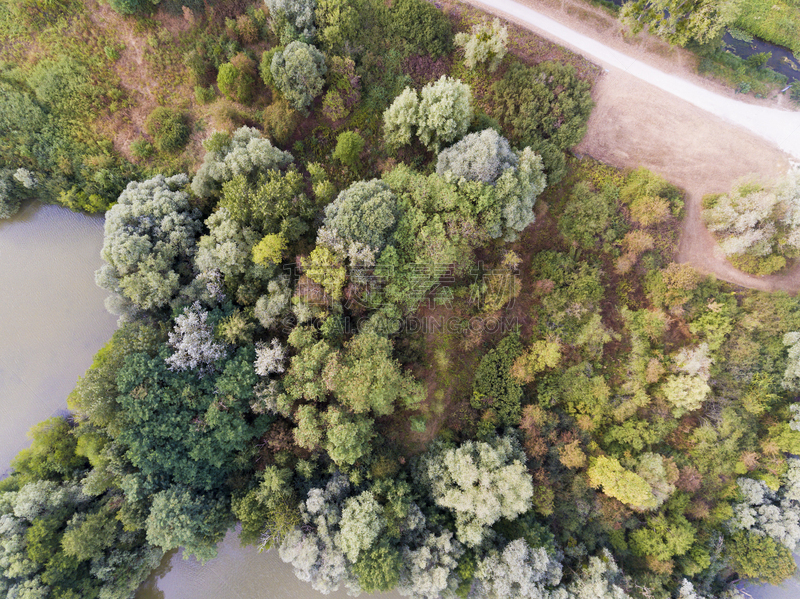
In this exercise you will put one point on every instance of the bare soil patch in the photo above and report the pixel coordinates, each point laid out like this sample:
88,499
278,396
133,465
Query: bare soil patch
636,124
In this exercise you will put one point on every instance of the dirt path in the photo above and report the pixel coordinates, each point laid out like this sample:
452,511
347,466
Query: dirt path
637,123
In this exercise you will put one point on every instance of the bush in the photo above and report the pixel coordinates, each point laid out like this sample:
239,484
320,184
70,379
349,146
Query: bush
348,147
129,7
794,92
204,95
298,73
237,78
168,129
280,122
142,149
422,26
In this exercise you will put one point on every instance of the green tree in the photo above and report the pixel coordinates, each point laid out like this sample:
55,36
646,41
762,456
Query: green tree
182,428
761,557
619,483
51,455
88,536
347,436
378,568
275,203
681,22
349,145
664,537
269,511
367,379
183,518
269,250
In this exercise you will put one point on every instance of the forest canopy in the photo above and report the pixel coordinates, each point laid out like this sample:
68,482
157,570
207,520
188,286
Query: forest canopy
376,313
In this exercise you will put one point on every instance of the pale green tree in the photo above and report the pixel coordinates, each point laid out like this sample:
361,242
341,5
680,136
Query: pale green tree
292,18
486,43
482,156
440,115
149,232
361,525
246,153
518,570
480,482
401,118
445,112
299,73
365,213
429,569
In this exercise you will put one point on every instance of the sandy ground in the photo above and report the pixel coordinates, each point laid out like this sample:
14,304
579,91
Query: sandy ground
639,123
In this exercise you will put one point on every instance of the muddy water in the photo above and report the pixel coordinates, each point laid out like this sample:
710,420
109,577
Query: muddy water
236,573
52,321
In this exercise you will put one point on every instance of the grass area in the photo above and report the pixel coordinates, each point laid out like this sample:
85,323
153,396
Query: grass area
776,21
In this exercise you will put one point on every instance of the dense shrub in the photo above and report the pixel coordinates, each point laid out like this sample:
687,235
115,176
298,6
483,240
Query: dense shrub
494,386
423,27
204,95
280,122
130,7
237,78
168,129
546,107
38,133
